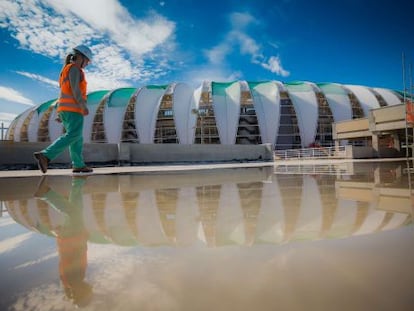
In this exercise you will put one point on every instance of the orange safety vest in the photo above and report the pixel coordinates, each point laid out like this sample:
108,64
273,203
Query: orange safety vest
72,258
66,101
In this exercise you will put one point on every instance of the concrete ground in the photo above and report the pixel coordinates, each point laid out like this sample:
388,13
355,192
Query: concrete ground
184,167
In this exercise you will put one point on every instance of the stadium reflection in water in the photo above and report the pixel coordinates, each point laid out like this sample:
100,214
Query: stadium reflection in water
296,238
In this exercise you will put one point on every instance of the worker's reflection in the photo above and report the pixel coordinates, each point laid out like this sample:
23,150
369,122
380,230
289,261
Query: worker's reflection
71,237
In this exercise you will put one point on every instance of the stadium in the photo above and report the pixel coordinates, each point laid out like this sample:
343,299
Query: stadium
284,115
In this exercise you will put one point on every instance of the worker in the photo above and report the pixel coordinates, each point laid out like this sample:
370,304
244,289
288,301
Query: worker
71,109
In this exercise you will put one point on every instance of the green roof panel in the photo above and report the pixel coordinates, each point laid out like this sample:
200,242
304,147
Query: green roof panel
43,107
219,88
120,97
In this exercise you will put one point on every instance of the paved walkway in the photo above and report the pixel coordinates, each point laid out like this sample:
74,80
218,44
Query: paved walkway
136,169
188,167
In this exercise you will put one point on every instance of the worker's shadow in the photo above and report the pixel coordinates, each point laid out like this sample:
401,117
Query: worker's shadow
71,238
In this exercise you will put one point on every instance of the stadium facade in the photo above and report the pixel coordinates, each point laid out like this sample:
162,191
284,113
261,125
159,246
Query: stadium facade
285,115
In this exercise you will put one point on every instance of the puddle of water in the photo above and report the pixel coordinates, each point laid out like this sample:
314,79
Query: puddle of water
283,238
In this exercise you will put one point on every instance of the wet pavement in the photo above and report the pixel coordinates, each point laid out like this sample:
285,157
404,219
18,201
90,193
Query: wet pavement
288,237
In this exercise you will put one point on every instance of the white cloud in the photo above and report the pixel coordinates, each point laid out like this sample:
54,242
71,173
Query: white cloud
7,117
7,10
238,39
12,95
274,65
211,73
217,54
40,78
247,44
35,29
241,20
137,36
127,46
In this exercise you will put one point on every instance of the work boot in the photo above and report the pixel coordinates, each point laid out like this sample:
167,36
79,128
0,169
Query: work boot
82,170
42,161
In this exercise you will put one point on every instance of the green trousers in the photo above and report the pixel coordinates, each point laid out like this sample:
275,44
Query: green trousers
72,138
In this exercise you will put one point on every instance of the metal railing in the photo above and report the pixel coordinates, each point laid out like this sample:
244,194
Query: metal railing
311,153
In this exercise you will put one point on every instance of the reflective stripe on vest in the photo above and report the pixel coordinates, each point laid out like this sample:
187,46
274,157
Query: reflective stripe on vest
66,101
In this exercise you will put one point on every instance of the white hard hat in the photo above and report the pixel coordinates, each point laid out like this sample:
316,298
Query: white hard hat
84,50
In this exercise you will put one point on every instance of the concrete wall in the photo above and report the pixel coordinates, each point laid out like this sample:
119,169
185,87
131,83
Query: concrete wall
387,118
22,153
368,152
351,129
139,153
359,152
389,114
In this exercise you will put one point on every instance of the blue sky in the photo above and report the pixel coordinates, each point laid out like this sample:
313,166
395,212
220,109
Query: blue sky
141,42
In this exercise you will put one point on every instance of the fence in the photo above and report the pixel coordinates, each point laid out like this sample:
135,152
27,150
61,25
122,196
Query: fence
3,131
311,153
